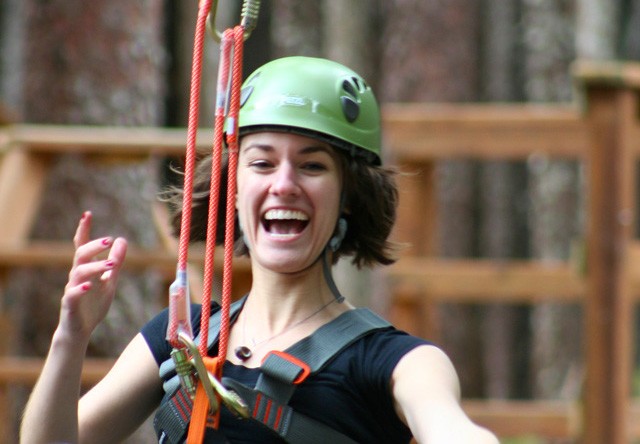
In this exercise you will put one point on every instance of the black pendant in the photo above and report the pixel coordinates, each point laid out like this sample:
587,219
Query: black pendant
243,352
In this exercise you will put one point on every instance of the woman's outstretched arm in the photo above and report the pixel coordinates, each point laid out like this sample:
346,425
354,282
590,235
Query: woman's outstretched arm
427,395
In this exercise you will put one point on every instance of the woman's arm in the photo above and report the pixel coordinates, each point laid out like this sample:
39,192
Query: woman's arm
51,413
427,396
123,399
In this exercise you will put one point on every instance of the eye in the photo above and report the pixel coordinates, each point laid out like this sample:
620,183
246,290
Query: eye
314,166
260,164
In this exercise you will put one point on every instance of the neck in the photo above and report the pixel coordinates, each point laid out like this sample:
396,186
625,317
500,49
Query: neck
281,299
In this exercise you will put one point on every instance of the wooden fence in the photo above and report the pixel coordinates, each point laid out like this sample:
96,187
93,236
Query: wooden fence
602,130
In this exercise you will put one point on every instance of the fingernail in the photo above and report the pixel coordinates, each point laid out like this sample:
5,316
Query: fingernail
86,287
109,264
106,241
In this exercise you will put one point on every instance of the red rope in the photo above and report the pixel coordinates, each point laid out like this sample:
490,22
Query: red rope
178,314
232,144
214,191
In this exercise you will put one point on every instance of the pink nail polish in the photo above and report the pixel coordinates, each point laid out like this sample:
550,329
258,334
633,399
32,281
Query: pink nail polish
109,264
106,241
86,287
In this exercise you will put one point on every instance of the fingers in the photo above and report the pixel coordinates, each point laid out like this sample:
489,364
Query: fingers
83,231
116,257
89,273
86,269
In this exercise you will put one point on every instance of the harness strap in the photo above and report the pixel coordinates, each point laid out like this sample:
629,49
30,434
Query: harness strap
293,427
280,373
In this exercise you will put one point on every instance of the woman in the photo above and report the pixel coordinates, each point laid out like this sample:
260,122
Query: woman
310,190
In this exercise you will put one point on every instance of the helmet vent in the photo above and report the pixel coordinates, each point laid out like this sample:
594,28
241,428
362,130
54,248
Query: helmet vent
348,87
350,108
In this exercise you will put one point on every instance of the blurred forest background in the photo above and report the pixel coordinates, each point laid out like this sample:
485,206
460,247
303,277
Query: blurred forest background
127,63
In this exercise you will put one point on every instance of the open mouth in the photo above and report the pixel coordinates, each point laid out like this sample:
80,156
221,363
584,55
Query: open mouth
285,222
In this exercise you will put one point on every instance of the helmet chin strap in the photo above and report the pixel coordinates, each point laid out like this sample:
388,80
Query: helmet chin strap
332,246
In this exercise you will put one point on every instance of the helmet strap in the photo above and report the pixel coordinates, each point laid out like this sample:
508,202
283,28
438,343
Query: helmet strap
326,268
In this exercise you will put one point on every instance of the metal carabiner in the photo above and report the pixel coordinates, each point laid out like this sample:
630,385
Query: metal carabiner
231,399
201,370
248,19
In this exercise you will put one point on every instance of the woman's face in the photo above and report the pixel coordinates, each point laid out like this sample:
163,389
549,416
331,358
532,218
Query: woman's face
288,198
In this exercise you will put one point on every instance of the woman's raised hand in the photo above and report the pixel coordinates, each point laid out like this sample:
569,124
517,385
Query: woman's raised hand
92,281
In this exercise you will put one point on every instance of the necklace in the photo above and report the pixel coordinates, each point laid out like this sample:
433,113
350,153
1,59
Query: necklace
244,353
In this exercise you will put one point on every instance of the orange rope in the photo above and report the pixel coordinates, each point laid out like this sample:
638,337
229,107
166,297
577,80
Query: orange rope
231,40
232,143
214,190
178,316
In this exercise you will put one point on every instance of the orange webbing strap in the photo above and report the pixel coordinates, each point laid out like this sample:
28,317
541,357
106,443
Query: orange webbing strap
200,412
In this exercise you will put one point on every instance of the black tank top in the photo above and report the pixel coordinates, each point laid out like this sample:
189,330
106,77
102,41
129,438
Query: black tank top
352,394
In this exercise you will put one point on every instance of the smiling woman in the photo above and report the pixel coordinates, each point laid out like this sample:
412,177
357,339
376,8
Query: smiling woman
311,367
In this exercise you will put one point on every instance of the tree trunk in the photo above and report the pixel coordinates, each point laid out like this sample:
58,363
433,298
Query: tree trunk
555,195
419,65
100,62
341,22
502,219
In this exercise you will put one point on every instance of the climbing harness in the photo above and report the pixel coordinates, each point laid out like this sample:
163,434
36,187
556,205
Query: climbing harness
280,373
199,374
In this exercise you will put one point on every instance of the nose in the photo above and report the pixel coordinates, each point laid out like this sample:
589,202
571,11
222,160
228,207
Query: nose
285,182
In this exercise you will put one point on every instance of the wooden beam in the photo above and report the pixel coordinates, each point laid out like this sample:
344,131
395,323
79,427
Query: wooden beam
421,132
608,322
133,142
25,371
22,178
486,281
508,418
60,254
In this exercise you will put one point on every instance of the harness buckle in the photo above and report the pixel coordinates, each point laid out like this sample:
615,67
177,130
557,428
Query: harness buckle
303,368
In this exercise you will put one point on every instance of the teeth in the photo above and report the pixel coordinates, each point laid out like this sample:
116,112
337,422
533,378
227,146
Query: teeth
285,215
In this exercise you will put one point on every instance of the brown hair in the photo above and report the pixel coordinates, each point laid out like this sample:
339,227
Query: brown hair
370,202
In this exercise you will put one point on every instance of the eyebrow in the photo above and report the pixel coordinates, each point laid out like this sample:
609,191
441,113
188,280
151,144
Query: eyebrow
306,150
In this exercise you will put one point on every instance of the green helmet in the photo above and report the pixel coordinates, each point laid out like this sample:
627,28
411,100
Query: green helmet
316,97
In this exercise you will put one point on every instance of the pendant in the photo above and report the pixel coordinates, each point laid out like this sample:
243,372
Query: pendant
243,353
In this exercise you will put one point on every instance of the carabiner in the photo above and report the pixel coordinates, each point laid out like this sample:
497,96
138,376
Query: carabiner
201,370
248,19
211,384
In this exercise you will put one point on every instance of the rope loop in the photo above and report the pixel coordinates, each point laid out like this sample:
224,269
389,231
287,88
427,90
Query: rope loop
227,111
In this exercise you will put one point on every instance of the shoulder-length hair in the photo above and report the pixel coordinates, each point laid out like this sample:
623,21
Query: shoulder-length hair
370,205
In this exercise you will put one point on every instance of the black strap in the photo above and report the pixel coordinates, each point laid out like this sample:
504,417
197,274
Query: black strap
277,381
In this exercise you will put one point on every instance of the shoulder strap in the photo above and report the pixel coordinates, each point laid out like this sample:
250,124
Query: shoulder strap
281,372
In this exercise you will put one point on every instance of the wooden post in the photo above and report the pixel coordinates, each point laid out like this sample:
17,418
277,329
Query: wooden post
612,117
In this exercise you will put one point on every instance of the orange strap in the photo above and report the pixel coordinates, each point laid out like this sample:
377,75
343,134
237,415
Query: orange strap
200,412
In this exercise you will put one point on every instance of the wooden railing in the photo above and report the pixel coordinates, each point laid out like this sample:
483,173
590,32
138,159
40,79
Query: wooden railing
604,134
